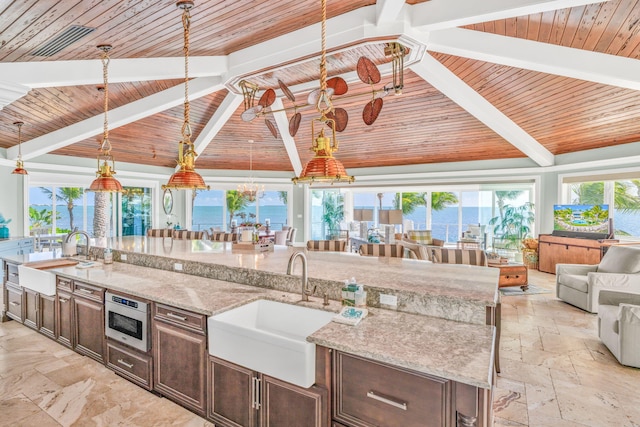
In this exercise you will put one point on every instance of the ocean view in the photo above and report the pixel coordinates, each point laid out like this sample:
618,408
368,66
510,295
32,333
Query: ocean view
444,222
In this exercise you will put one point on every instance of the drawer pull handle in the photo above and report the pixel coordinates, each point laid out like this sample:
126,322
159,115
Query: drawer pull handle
399,405
63,300
86,291
128,365
15,304
175,316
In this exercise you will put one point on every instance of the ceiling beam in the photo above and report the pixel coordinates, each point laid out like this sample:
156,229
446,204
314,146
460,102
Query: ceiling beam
289,143
120,116
74,73
388,10
441,78
439,14
11,91
543,57
225,110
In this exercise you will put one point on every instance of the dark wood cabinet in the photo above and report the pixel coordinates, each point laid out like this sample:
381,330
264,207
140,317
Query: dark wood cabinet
13,298
88,320
64,318
241,397
180,356
132,364
30,302
47,315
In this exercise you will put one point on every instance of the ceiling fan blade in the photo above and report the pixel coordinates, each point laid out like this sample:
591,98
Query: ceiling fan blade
286,91
267,98
371,111
367,71
294,124
341,118
338,84
272,127
251,113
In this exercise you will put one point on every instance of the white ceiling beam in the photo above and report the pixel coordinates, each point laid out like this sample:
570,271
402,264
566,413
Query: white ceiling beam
10,91
439,14
120,116
388,10
73,73
222,114
289,143
441,78
543,57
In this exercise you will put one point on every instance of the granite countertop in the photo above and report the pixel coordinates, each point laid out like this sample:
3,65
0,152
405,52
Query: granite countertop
445,348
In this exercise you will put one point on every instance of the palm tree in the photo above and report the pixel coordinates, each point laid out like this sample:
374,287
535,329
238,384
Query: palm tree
235,203
592,193
503,196
67,194
283,195
441,200
410,201
333,208
101,214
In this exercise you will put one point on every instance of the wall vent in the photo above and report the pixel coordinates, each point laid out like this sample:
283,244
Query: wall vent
69,36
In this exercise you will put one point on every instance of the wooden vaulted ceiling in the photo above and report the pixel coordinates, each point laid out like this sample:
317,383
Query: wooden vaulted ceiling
426,124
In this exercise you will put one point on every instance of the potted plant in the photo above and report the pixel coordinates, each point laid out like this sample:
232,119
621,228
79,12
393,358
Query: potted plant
333,214
514,226
4,230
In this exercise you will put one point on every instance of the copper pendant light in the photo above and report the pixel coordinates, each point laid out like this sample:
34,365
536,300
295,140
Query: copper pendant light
186,178
323,167
19,170
105,182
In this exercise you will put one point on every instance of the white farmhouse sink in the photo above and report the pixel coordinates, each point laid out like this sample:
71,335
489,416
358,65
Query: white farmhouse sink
269,337
41,281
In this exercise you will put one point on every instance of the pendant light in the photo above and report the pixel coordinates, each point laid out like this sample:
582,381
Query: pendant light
251,190
323,167
105,182
186,178
19,170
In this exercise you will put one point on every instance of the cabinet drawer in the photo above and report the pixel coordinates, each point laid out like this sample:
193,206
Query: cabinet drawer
88,291
193,321
368,393
64,283
12,274
514,278
14,302
131,364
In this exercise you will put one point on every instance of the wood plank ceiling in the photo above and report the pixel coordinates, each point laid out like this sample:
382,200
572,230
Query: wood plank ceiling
421,126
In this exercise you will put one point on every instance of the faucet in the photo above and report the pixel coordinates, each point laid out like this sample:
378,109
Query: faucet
305,292
76,232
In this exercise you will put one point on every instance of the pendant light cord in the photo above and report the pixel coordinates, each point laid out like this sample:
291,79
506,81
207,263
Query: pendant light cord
106,145
186,24
19,124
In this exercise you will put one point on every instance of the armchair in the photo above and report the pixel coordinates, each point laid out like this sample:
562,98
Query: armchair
619,325
580,285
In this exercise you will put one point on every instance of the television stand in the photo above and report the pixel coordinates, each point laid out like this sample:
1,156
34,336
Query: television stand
554,250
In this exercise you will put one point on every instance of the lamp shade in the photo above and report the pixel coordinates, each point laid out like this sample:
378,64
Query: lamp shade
20,170
107,184
186,179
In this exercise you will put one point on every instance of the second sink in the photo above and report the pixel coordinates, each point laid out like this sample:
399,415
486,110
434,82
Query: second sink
269,337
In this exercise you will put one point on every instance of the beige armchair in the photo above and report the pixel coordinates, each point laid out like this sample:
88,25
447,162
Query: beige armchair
619,325
580,285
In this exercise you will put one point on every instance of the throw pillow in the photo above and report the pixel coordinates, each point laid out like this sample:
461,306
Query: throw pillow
420,236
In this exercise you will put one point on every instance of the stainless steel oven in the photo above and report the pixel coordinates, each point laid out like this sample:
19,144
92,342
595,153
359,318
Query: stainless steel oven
127,321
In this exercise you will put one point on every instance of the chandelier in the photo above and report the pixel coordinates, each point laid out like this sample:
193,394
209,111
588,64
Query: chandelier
186,178
323,167
250,190
19,170
105,182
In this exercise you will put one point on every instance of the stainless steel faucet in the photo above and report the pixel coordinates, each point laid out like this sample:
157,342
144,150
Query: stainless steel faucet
85,234
305,292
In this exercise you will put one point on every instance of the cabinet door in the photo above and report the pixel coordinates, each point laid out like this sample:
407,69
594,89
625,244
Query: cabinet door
88,328
285,404
30,301
13,297
180,364
231,394
47,310
64,315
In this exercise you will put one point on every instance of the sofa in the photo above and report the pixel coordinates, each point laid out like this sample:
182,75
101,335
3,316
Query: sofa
580,285
619,325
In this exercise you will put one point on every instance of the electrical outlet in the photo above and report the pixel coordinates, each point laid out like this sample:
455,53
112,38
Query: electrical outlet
177,266
123,257
389,300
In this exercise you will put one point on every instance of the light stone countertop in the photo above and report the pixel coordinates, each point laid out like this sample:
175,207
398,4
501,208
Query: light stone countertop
444,348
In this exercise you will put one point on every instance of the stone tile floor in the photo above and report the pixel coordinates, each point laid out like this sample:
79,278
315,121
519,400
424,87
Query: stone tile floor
555,372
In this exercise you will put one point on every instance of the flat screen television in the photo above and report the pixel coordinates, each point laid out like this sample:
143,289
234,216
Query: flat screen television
581,220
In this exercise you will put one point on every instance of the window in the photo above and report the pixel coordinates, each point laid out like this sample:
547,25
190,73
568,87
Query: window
136,210
327,212
208,211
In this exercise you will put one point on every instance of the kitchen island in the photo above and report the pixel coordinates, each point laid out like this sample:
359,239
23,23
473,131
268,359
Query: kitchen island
454,351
